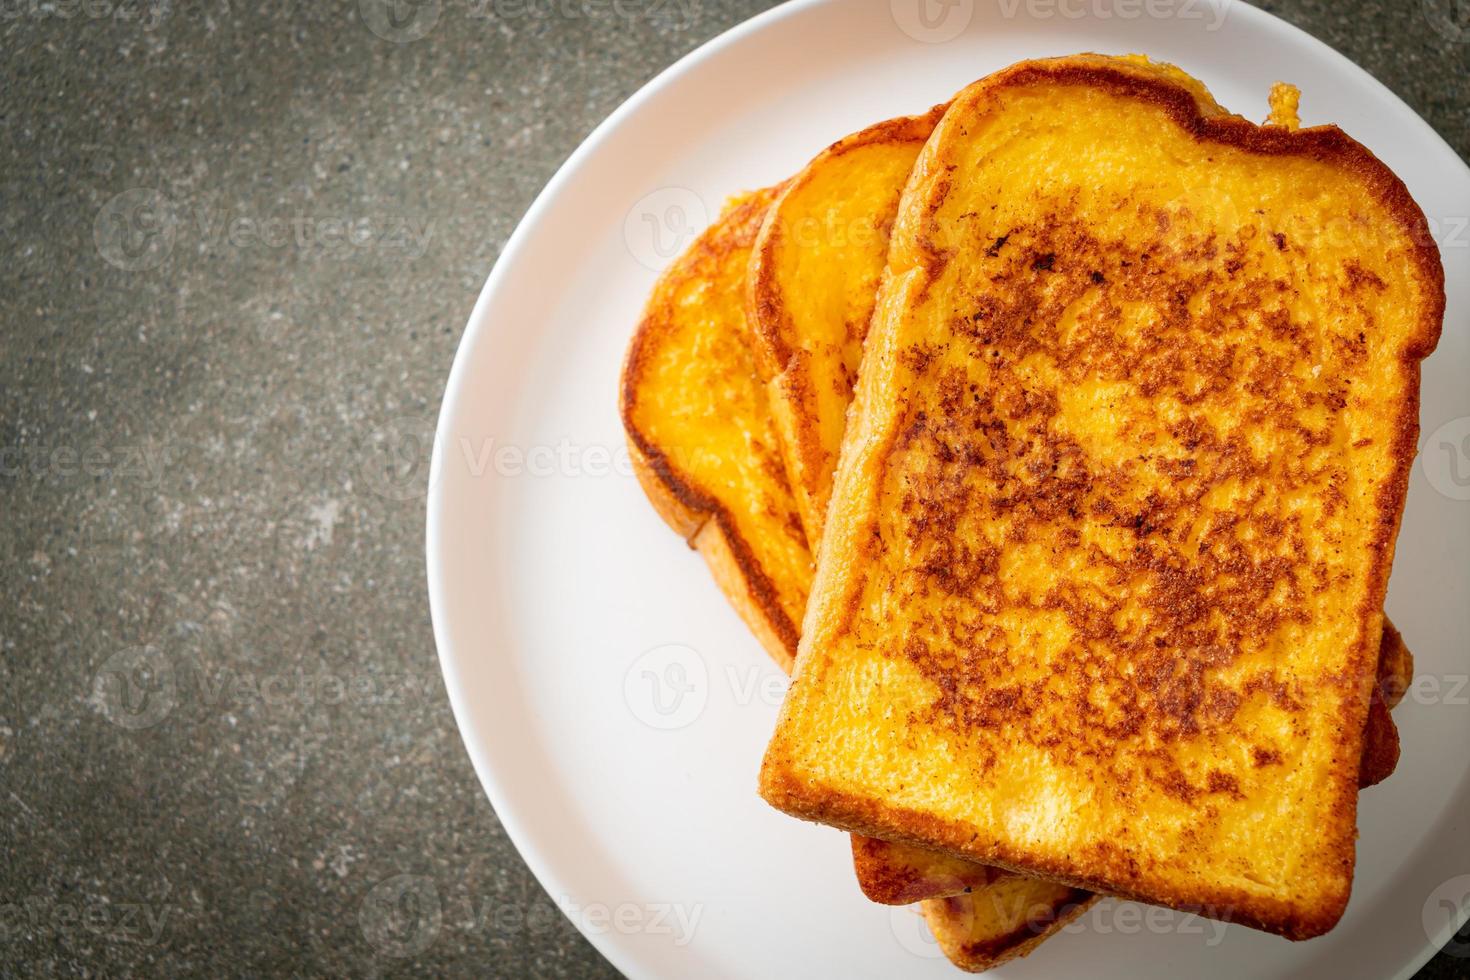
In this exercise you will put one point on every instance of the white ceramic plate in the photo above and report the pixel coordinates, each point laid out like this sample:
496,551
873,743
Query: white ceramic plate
614,706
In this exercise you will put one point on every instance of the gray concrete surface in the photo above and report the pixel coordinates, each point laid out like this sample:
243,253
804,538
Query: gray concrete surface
223,736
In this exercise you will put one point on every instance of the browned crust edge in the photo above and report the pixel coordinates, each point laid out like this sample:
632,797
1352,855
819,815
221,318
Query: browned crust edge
887,882
1396,665
728,563
1380,745
977,957
689,509
766,309
894,883
1327,144
781,362
859,815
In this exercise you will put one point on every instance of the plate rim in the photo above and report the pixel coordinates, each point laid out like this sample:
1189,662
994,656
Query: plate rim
479,323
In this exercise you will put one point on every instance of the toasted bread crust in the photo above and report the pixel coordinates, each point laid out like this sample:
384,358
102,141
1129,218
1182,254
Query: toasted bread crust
971,938
785,787
1380,746
1381,736
1396,665
892,874
860,815
852,235
696,512
730,561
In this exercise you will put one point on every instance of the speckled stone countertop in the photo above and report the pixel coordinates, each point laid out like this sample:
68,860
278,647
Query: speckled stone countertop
222,724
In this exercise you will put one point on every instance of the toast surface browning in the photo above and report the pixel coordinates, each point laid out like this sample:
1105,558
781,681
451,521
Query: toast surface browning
900,874
982,916
813,274
1115,515
721,485
1001,915
914,872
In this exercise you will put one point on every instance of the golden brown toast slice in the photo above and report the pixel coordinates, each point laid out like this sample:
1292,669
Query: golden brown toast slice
813,279
701,437
1098,596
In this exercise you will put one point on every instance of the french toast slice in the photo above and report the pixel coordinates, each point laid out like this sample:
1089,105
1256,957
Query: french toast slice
700,434
813,276
1098,597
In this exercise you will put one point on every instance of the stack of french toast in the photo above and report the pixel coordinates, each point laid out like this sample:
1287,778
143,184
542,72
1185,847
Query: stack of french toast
1056,441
